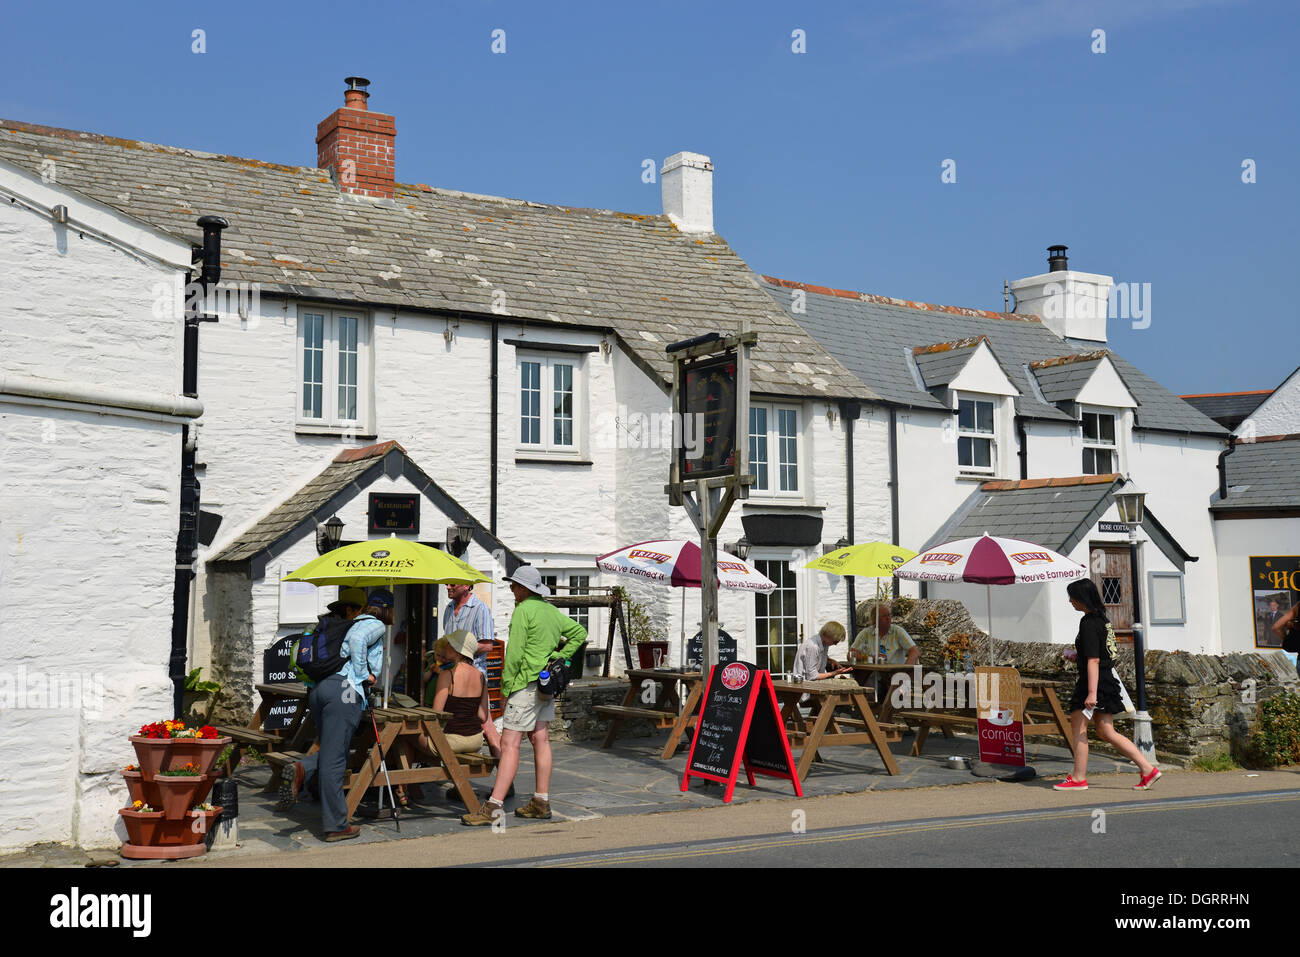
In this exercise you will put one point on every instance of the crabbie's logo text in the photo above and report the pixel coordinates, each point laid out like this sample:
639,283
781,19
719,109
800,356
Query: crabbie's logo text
940,558
378,560
76,910
735,676
1031,558
657,557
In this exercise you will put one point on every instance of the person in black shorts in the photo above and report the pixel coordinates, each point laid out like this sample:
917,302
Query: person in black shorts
1097,692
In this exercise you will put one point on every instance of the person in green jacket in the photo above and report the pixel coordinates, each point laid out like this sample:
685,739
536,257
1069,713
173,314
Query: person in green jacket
537,630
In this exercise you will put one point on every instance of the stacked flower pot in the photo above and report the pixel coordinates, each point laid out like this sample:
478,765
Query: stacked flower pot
163,821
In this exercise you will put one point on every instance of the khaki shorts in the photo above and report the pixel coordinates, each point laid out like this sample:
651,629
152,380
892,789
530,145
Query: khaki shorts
465,743
526,709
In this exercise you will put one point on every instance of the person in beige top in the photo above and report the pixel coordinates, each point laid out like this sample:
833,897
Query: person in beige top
885,638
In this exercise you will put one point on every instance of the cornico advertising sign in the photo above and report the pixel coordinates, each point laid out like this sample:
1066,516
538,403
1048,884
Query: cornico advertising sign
1000,716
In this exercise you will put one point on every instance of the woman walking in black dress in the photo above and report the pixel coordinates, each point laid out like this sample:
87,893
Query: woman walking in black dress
1097,692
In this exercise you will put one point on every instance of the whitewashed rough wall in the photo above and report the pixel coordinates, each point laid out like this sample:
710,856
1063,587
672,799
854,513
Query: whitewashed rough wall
88,518
1279,414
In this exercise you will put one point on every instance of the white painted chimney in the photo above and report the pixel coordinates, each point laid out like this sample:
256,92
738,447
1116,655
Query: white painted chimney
1070,303
687,180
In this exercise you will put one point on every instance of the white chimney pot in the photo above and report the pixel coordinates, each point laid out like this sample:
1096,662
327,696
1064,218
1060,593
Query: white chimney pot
687,181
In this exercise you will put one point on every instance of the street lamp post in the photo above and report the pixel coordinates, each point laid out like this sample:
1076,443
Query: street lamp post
1131,501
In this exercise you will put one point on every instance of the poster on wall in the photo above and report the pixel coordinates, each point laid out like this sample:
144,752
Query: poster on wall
1274,589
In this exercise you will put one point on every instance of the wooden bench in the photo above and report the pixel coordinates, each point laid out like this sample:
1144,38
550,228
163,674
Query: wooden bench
662,719
263,742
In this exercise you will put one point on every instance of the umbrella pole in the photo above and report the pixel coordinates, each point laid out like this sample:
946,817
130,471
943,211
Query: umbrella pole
988,600
681,647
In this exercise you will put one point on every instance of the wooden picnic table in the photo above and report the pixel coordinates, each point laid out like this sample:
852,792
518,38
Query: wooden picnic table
825,729
862,671
1051,721
399,730
667,710
300,736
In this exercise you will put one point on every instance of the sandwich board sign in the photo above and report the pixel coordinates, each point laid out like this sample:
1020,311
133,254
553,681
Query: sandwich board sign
740,723
1000,716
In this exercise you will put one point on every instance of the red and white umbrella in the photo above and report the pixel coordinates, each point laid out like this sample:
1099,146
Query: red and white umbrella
989,560
677,563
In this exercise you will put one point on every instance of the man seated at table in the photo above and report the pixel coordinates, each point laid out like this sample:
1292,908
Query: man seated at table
881,641
811,663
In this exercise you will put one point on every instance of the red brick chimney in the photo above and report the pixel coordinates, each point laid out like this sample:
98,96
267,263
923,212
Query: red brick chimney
359,147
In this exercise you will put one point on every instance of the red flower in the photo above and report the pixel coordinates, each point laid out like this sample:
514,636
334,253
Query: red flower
207,731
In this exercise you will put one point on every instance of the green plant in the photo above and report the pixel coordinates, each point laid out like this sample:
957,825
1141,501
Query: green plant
640,626
1277,732
195,686
1219,761
253,756
189,771
224,756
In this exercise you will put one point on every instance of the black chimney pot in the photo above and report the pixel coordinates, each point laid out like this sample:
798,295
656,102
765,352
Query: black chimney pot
1056,261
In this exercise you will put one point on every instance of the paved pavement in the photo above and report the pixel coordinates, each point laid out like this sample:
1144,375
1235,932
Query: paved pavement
590,784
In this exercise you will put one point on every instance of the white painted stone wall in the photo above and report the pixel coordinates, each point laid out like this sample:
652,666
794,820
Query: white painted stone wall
88,518
1279,414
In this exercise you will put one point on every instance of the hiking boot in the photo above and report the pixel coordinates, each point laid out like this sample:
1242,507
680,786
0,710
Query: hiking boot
485,815
538,810
290,784
351,832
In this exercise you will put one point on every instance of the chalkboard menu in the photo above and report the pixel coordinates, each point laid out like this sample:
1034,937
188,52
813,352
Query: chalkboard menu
278,669
739,722
727,650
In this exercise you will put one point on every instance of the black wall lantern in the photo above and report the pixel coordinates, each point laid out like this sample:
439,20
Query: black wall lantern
459,536
329,535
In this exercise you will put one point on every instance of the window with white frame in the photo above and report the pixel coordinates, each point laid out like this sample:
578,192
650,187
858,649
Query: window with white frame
977,439
774,449
333,368
570,583
1100,451
551,404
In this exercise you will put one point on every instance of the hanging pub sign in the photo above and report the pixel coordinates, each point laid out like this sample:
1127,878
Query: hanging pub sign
707,399
394,513
1274,589
740,722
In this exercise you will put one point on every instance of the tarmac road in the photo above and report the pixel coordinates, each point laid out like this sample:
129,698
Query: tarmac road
1230,819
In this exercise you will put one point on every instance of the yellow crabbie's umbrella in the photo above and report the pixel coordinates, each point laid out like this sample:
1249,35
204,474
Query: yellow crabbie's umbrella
390,562
869,560
387,561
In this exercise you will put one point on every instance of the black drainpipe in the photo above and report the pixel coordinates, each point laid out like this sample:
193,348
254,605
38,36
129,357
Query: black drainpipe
851,411
893,484
1223,467
1024,446
187,533
492,430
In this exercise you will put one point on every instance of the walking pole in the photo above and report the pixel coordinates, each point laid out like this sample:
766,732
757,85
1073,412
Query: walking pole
383,762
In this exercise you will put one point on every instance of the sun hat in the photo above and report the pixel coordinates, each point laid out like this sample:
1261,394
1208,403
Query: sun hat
530,578
462,642
349,596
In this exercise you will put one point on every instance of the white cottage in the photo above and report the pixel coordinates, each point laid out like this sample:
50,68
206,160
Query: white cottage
1021,424
91,422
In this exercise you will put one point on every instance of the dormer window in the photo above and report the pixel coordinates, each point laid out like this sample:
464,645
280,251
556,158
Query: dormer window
1100,451
976,435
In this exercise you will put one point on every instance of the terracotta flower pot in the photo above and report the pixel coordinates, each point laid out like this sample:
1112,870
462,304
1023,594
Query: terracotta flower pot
178,793
135,786
166,754
152,829
143,827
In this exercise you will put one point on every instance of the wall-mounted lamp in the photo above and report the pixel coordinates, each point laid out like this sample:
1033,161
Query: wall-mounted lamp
60,214
329,535
606,347
740,549
831,415
459,536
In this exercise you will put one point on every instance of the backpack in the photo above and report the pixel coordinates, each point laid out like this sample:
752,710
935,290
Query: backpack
319,653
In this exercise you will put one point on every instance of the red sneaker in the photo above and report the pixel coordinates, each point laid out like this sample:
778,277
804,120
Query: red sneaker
1070,784
1145,782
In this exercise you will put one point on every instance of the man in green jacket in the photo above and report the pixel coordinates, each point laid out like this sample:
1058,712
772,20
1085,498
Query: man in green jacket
537,630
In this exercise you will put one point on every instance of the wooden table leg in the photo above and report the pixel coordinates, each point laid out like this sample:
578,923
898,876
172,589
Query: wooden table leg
922,732
629,701
815,736
364,778
1058,715
877,735
455,770
683,719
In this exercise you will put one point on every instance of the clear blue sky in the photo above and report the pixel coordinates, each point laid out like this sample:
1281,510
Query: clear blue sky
827,163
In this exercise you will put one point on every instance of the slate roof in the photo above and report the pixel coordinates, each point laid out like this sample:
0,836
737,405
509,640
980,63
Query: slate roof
1229,409
1057,513
1062,380
874,336
294,232
1263,474
350,472
942,362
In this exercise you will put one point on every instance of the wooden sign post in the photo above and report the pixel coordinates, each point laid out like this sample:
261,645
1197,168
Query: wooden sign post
710,462
740,721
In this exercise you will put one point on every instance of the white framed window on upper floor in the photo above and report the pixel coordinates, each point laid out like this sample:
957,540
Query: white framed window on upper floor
775,450
335,380
552,411
977,434
1100,442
